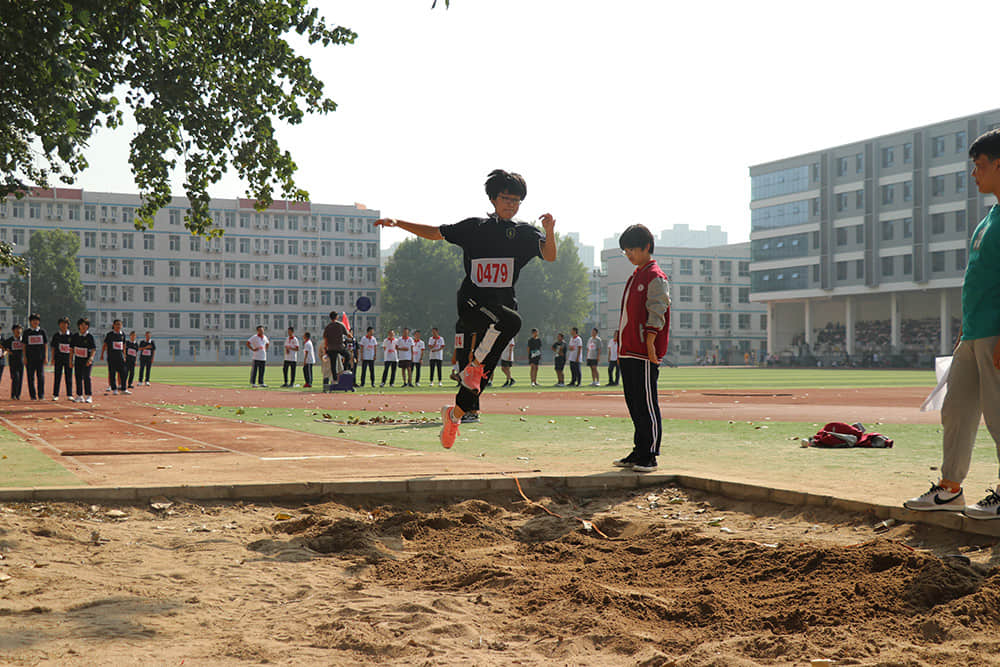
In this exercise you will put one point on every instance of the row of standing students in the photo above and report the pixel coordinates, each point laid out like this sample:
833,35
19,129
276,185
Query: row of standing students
72,355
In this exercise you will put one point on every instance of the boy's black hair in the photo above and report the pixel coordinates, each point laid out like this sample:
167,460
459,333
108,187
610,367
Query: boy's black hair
575,330
34,316
16,326
259,326
369,329
131,333
83,320
501,182
987,144
116,322
636,236
594,330
533,330
333,314
306,335
292,329
63,319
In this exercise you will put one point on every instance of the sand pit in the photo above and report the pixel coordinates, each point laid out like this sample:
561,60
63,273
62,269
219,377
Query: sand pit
677,578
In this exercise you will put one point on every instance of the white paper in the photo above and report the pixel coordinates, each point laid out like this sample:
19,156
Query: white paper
934,401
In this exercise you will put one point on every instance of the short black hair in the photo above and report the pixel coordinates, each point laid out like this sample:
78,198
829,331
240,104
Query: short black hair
34,316
987,144
83,320
369,329
636,236
333,314
63,319
292,329
131,333
16,326
306,335
116,322
575,330
502,182
534,330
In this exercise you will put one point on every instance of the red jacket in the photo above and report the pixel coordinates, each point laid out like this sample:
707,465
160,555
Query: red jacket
645,308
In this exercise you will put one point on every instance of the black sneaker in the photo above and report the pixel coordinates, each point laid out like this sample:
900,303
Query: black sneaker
625,461
470,417
645,465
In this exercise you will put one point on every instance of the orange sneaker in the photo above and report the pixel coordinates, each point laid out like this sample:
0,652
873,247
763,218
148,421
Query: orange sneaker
449,429
472,377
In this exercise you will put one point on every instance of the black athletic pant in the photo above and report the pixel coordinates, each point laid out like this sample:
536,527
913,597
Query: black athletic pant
477,318
36,374
575,378
81,369
16,380
307,374
385,370
116,374
289,366
416,372
129,371
369,366
257,370
639,378
613,372
61,368
435,363
145,363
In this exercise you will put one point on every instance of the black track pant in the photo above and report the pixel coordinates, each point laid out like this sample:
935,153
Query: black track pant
307,373
639,378
416,372
81,369
116,374
61,369
613,372
367,365
575,378
385,371
16,380
289,366
477,318
435,364
36,378
257,372
145,363
129,371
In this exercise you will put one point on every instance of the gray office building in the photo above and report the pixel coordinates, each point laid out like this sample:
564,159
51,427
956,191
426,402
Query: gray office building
858,251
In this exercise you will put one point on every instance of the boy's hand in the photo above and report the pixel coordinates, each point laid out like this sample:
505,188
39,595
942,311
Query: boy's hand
548,222
996,355
651,348
385,222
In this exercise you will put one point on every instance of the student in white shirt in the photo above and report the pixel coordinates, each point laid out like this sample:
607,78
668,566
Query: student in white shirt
594,357
404,349
418,355
575,357
435,349
389,358
507,362
291,356
258,344
369,345
613,372
308,359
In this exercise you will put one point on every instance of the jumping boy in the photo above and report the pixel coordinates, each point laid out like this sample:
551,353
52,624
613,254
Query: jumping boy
974,379
494,250
643,328
62,359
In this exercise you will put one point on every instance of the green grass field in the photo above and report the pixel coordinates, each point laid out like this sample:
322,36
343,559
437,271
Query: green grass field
21,464
687,377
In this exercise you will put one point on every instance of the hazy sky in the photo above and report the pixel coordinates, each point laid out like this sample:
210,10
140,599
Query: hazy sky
615,112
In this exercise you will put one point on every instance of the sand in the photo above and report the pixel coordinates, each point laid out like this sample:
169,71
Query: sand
658,577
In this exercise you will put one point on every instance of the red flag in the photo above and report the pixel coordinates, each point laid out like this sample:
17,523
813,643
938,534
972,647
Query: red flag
343,320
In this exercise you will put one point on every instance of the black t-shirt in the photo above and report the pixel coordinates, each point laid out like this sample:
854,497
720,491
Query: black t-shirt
59,340
560,348
146,349
115,340
15,350
82,345
35,342
131,352
534,348
494,251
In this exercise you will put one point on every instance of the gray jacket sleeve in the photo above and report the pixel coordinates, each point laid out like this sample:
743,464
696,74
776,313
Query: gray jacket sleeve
657,302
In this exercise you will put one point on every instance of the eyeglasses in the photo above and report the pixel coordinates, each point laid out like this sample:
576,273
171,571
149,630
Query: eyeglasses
507,199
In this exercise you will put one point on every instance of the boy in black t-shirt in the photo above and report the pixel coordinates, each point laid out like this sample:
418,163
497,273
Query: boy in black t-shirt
84,348
559,348
35,348
62,355
114,346
147,350
131,354
15,359
534,355
494,250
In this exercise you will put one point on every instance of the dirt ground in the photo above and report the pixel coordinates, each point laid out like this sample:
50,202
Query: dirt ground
658,577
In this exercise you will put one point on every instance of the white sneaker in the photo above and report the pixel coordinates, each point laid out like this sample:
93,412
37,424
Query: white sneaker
114,392
126,392
55,398
147,383
987,508
937,499
73,398
89,399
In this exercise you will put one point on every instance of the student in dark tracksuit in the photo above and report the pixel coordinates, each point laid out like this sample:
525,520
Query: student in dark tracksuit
147,350
62,358
131,354
114,346
84,348
35,352
15,359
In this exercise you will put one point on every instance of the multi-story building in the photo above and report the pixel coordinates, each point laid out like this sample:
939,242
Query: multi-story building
287,266
860,249
712,318
682,236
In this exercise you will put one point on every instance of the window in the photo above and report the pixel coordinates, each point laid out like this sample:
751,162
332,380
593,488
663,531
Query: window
293,273
128,267
705,320
279,247
148,293
149,320
686,294
907,153
859,163
725,295
937,261
859,269
194,269
174,294
148,242
960,259
937,223
128,241
174,269
293,297
743,321
888,192
686,320
293,248
841,166
960,181
244,297
859,199
244,271
907,228
859,233
194,294
888,157
89,239
960,142
887,263
338,298
244,320
841,202
279,297
338,273
230,270
174,320
937,146
815,206
959,221
705,294
763,322
244,220
937,186
245,246
907,190
815,240
744,295
293,223
842,236
149,267
687,267
841,270
338,249
744,269
907,265
887,230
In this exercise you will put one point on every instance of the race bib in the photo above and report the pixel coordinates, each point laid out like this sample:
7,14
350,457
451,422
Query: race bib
35,340
17,345
131,352
80,351
118,345
147,352
459,341
64,348
492,272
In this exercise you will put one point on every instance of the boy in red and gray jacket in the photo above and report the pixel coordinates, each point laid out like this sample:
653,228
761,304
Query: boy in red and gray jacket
642,333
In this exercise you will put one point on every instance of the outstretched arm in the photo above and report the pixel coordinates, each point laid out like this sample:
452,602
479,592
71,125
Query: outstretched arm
423,231
548,246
